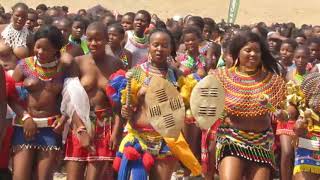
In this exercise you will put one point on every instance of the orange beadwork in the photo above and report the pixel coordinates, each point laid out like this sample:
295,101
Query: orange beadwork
242,91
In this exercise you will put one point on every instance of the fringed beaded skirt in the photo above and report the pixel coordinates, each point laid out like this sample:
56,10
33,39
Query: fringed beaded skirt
251,146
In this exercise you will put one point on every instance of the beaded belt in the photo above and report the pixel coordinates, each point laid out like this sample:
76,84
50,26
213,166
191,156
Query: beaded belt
41,122
313,145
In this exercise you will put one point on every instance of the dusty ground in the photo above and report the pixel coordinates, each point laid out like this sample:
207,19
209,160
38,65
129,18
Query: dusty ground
250,10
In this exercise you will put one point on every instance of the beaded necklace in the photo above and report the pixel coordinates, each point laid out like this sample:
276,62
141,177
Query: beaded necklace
242,91
166,73
193,63
45,72
139,42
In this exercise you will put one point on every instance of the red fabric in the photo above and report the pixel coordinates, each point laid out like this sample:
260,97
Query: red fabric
131,153
11,88
116,164
5,150
120,72
206,137
285,127
75,152
148,161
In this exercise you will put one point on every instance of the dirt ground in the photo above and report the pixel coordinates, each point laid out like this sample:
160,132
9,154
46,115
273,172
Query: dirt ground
250,11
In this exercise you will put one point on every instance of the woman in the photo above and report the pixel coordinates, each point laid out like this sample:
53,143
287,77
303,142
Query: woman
14,39
116,36
295,76
140,131
307,130
36,140
135,40
95,69
245,137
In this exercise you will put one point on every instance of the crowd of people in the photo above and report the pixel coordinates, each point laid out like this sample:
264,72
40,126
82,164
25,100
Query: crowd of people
76,89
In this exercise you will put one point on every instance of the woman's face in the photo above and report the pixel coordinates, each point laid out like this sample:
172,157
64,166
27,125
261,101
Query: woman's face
301,58
97,41
159,47
140,23
250,56
286,52
114,36
77,30
127,23
191,41
45,51
19,18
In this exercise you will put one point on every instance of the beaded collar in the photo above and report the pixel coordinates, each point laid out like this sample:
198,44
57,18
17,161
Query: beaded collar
31,67
242,92
15,38
166,73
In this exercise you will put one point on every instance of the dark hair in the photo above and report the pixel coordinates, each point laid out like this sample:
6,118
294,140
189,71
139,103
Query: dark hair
314,40
300,34
47,19
241,39
32,11
52,34
65,20
191,30
65,8
82,21
172,43
42,7
97,25
117,27
263,32
20,5
161,25
292,43
81,10
130,14
303,47
210,23
146,14
198,21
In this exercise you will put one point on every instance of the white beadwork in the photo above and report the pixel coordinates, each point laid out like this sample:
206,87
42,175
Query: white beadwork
15,38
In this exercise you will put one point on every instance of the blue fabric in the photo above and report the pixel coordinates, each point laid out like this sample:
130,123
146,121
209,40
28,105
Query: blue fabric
306,156
43,139
135,168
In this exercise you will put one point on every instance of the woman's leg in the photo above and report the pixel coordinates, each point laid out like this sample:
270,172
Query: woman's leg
231,168
76,170
287,157
23,160
306,176
256,171
94,170
193,138
211,160
163,169
46,164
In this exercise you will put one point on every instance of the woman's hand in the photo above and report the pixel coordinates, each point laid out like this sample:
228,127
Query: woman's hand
58,125
29,128
300,127
126,112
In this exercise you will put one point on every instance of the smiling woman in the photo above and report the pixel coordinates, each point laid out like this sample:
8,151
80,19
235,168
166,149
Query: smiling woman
254,73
